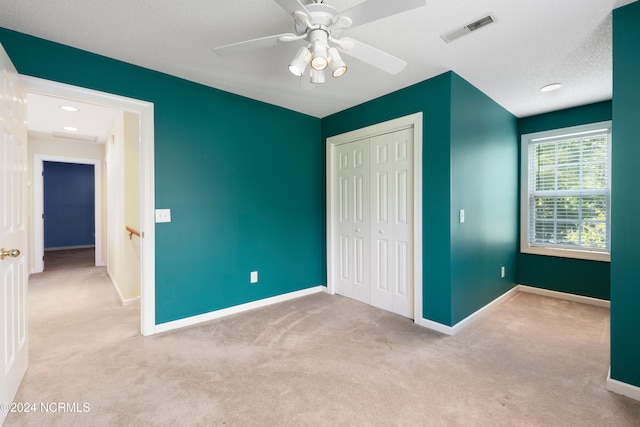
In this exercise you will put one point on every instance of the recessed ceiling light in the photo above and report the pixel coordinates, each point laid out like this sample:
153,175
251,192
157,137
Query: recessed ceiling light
551,87
69,108
70,129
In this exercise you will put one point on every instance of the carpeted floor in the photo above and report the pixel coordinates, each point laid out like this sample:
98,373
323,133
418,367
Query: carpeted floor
69,259
317,361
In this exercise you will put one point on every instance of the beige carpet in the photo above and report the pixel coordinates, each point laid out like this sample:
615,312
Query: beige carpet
68,258
316,361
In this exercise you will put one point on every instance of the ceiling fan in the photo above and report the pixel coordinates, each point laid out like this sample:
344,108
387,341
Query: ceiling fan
318,24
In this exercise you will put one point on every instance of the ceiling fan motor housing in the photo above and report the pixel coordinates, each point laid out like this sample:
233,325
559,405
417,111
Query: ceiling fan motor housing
321,15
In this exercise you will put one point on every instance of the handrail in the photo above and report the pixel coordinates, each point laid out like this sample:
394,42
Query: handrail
132,231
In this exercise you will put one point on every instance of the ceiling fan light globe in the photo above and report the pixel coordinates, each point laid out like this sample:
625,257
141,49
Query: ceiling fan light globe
319,63
317,77
337,65
339,72
299,63
296,71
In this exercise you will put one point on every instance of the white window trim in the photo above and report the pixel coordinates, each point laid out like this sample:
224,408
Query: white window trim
525,247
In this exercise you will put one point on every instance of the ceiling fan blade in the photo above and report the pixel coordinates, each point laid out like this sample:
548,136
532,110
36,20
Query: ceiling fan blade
372,55
292,6
249,45
373,10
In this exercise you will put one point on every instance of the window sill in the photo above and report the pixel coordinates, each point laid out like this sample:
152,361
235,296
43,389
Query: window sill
566,253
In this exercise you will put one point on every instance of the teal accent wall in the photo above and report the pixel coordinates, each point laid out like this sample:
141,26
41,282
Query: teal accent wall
574,276
461,266
484,182
244,181
625,263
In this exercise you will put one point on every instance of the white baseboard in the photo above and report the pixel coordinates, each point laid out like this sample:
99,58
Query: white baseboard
66,248
205,317
624,389
115,286
123,301
452,330
130,301
565,296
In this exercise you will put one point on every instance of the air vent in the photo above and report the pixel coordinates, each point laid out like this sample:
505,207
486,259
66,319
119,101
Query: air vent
74,136
476,25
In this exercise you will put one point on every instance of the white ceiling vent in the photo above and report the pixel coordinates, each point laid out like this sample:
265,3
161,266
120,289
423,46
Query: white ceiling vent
476,25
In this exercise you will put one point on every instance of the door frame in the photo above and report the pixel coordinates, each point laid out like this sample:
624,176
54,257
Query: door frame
38,206
411,121
147,178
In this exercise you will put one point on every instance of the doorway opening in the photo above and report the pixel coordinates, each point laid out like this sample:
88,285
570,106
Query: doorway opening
145,113
40,211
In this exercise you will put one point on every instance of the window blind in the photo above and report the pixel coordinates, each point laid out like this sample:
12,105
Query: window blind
569,197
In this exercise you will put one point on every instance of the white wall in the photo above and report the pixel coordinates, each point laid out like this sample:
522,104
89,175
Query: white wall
122,155
132,202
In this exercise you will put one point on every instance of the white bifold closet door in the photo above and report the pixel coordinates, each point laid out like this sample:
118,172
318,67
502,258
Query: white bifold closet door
374,221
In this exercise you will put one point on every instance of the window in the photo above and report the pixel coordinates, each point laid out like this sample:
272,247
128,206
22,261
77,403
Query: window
565,206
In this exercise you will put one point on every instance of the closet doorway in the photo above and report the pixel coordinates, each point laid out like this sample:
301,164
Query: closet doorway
374,215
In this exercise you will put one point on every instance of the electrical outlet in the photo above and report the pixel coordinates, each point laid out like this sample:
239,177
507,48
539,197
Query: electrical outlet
254,277
503,272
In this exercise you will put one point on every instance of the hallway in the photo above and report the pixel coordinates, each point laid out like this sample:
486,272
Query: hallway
75,316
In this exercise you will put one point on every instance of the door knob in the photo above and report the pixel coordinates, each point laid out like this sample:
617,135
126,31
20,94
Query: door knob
11,252
357,230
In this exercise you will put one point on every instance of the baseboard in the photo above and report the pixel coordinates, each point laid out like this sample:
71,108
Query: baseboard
130,301
453,330
115,286
123,301
565,296
205,317
624,389
66,248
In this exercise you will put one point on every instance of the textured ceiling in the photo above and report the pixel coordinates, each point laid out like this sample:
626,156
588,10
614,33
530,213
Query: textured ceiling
532,43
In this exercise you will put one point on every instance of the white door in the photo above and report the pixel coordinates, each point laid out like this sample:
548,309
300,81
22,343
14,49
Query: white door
352,220
13,233
391,169
373,202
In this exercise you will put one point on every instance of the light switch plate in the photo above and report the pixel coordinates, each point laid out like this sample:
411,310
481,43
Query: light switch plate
163,215
461,215
254,277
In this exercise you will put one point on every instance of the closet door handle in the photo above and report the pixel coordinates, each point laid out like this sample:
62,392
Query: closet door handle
358,230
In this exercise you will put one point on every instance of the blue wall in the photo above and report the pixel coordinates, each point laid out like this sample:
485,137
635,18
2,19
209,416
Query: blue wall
69,205
461,262
574,276
244,180
625,200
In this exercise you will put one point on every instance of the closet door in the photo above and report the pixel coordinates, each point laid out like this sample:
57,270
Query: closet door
352,220
391,172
